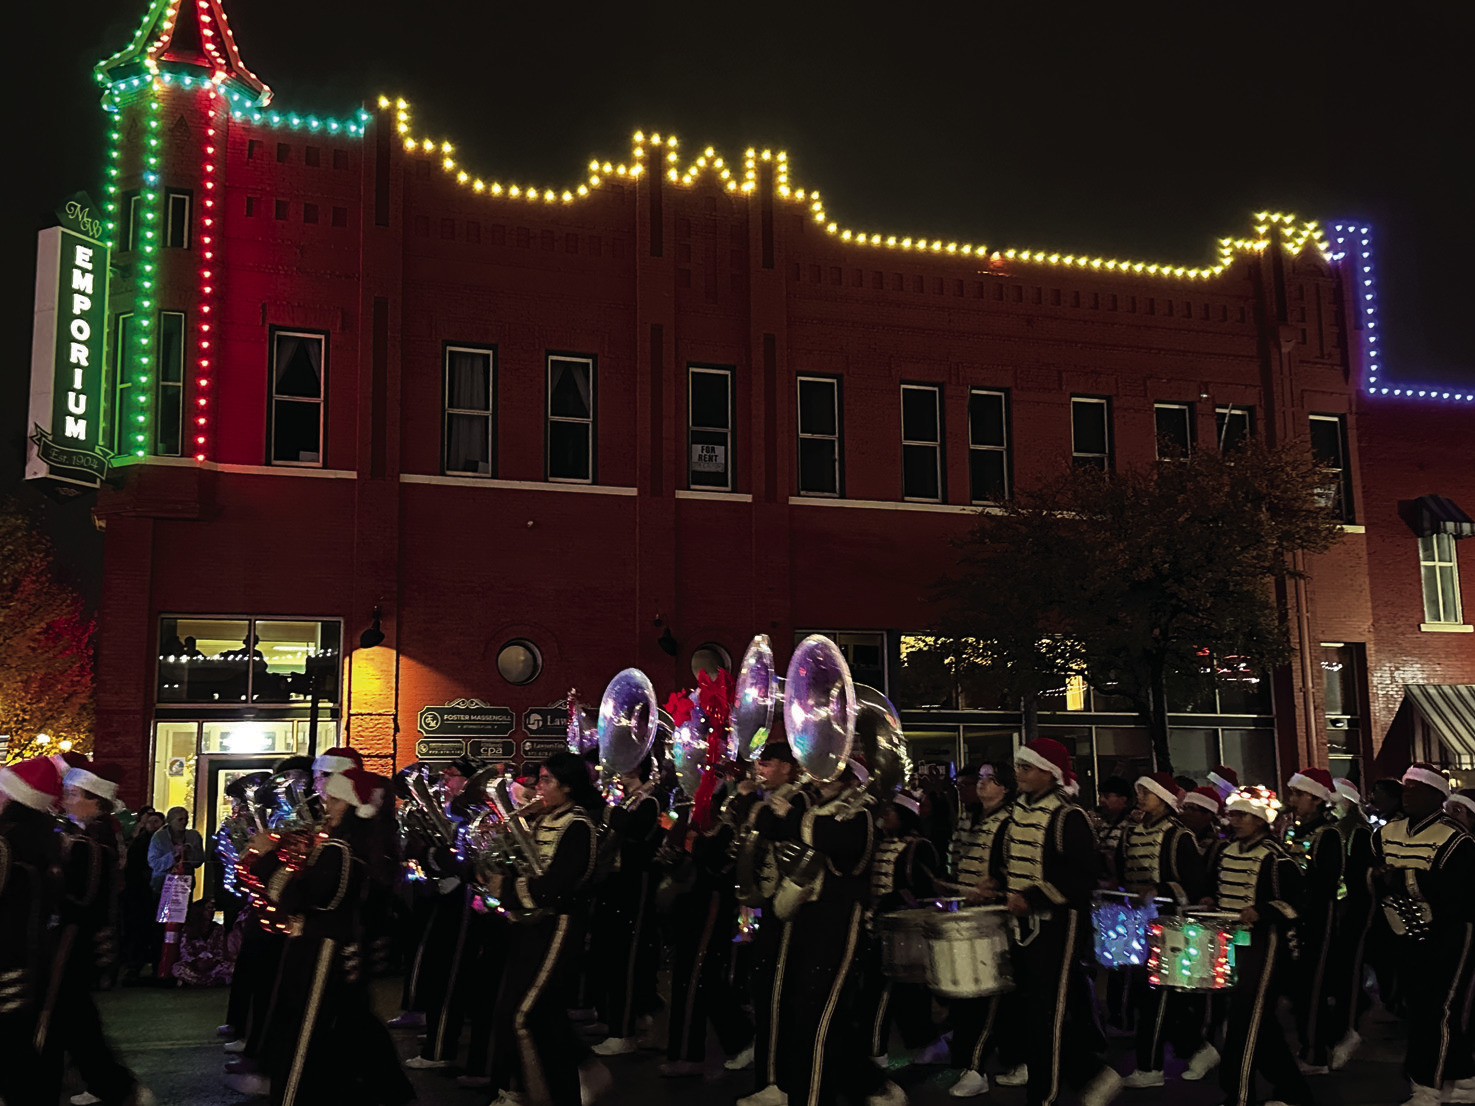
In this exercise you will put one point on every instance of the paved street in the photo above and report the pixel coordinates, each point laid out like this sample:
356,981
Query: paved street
168,1038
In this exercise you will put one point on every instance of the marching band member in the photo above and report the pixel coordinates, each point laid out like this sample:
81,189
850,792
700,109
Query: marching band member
531,1020
1423,866
1354,918
1160,860
1317,845
625,942
1048,875
30,858
1258,880
982,1025
1225,780
322,1005
968,808
755,813
1201,811
87,946
901,874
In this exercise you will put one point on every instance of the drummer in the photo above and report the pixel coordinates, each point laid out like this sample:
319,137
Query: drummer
1259,882
1318,847
1160,860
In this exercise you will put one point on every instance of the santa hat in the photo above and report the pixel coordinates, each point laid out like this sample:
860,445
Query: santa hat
68,760
1048,755
1347,791
1225,778
34,783
1206,797
337,759
1428,775
100,779
358,788
1313,781
858,769
1259,801
1161,784
907,800
1465,797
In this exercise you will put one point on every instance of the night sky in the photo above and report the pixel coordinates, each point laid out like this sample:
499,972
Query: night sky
1138,130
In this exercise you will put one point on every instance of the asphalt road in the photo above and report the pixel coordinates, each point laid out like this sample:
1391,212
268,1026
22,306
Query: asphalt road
168,1038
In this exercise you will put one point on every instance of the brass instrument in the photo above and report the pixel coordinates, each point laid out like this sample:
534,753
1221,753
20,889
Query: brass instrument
519,844
424,810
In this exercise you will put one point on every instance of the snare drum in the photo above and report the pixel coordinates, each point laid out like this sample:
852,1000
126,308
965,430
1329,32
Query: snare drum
904,944
1194,952
1121,928
968,953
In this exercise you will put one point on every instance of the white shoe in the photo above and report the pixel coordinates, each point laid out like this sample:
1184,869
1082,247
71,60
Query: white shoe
1143,1079
932,1055
249,1084
1461,1090
410,1019
741,1062
233,1047
768,1096
889,1095
616,1046
84,1099
1344,1050
969,1084
883,1061
508,1098
419,1063
677,1069
1312,1069
1423,1096
1102,1090
1201,1063
595,1081
1017,1076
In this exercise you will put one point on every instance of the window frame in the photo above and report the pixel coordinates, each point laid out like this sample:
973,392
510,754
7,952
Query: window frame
188,197
592,422
838,437
272,398
1005,449
490,414
1189,428
730,371
1453,567
1346,508
122,381
160,384
331,707
1223,413
936,446
1079,458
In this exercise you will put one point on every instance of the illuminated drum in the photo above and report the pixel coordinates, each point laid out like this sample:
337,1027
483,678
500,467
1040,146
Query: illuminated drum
1194,952
903,940
968,953
1121,925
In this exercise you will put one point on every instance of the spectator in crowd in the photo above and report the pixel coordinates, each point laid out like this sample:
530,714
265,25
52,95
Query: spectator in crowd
174,846
206,952
140,901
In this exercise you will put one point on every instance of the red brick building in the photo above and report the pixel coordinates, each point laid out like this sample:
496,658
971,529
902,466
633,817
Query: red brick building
536,434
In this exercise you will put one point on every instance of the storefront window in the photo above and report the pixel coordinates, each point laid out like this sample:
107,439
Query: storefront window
250,737
1252,752
1193,751
932,746
230,662
989,744
175,746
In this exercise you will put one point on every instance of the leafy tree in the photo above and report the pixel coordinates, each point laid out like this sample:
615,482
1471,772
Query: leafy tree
45,645
1141,577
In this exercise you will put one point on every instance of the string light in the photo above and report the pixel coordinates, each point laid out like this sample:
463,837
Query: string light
149,52
205,325
1121,929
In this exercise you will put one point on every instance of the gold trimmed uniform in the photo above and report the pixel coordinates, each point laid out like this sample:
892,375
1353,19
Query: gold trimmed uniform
1318,846
981,1025
29,860
1355,907
901,874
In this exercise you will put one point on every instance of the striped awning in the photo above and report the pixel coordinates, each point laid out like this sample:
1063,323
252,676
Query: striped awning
1449,709
1439,515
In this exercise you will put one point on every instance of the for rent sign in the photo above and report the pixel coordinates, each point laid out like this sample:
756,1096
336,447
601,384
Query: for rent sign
68,353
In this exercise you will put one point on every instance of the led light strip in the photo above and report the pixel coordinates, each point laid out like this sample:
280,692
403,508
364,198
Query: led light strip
205,322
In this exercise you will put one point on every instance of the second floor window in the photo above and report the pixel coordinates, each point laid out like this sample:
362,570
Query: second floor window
921,442
988,446
1441,579
125,334
709,414
1329,447
469,422
819,435
298,364
1232,426
571,419
1090,434
170,409
177,220
1174,425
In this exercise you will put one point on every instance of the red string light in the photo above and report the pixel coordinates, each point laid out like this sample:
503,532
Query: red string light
201,421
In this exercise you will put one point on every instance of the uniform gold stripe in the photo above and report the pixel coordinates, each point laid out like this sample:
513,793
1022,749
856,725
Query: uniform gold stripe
817,1067
309,1020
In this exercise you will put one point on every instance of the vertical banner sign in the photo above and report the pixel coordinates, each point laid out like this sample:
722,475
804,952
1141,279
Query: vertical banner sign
69,351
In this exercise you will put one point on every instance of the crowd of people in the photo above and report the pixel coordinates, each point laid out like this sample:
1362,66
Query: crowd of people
768,899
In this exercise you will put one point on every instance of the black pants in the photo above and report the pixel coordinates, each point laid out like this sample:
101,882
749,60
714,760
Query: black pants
1435,976
442,982
487,946
767,976
1346,997
625,949
1164,1017
411,929
985,1025
1059,1030
1313,982
1254,1041
531,1029
20,1071
884,1003
243,979
704,923
76,1030
820,1056
265,981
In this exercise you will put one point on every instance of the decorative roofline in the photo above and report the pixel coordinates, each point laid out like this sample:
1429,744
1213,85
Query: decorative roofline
154,39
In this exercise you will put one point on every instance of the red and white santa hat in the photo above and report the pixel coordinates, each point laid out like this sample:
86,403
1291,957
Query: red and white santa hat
1225,778
362,790
1162,785
1347,791
1429,775
1256,800
1313,781
34,783
1048,755
68,760
1464,797
337,759
908,800
100,779
1206,797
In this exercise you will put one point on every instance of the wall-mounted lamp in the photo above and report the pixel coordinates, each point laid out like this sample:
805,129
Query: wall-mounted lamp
373,635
